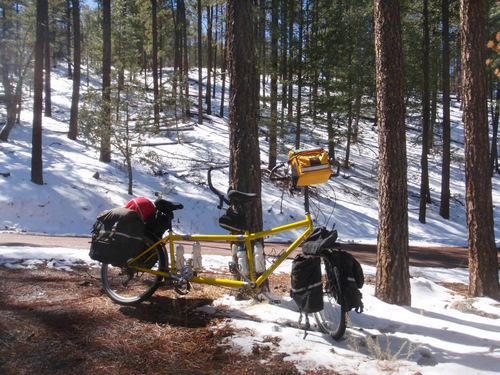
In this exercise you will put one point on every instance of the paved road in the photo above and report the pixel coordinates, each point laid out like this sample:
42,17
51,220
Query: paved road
447,257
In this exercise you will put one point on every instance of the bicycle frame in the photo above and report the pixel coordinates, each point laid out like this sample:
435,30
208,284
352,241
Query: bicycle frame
247,238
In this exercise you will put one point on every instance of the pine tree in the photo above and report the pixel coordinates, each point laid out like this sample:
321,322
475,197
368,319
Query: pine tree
244,170
483,260
75,98
393,276
36,158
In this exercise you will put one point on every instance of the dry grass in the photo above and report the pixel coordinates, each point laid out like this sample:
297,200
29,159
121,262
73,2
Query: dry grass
58,322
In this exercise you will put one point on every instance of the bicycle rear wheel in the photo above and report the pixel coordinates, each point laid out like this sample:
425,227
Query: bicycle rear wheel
332,319
127,286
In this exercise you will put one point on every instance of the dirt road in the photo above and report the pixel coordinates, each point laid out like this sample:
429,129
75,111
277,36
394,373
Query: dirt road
447,257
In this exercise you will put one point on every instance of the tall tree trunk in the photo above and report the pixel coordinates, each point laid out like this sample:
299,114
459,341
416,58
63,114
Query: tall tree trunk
393,277
494,138
284,60
185,63
36,152
291,68
331,134
424,183
444,209
244,170
200,66
48,69
13,96
208,99
298,129
223,78
483,261
68,38
75,98
105,151
273,124
156,106
215,61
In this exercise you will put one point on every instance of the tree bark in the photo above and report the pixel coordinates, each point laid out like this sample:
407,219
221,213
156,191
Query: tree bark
36,153
273,125
48,69
208,98
393,278
156,96
424,183
494,137
75,98
444,210
68,38
483,262
244,170
105,152
200,66
298,128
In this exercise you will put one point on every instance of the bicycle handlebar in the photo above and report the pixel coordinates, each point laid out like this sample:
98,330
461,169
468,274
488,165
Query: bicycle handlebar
273,171
222,198
337,164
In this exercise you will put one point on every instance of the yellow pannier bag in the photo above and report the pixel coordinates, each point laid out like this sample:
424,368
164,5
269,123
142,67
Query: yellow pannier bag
309,167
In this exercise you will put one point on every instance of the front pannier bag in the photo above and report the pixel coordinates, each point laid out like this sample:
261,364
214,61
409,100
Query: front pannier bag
351,278
307,287
117,236
309,167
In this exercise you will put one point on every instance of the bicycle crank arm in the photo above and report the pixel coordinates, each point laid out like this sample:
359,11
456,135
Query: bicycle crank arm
233,267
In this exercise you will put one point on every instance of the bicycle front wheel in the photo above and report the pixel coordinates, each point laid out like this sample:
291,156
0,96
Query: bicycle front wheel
332,319
127,286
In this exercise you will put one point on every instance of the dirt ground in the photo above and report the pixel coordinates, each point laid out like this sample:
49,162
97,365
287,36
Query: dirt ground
61,322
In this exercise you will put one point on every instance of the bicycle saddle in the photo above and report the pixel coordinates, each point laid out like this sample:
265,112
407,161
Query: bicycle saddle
167,206
239,196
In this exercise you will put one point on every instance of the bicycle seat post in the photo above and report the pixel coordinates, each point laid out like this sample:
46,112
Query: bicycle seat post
306,199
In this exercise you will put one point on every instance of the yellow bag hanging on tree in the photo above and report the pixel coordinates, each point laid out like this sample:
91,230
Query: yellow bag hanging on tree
309,167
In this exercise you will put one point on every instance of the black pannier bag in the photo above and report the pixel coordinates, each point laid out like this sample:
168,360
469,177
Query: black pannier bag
307,286
351,278
320,239
117,236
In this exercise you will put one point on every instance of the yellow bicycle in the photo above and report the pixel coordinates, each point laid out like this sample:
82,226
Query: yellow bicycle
160,264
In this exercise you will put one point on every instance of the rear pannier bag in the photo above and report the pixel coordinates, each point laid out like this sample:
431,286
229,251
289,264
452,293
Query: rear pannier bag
351,278
117,236
307,286
309,167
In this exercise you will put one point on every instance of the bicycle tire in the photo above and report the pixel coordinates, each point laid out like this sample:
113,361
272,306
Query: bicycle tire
127,286
333,318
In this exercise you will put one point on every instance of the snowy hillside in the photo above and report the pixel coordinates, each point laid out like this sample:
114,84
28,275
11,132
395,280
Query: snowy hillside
71,197
442,332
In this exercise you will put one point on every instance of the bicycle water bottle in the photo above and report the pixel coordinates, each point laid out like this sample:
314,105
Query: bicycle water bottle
196,256
179,257
258,256
243,261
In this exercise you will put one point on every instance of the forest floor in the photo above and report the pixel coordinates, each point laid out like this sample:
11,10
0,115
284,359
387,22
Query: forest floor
61,322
